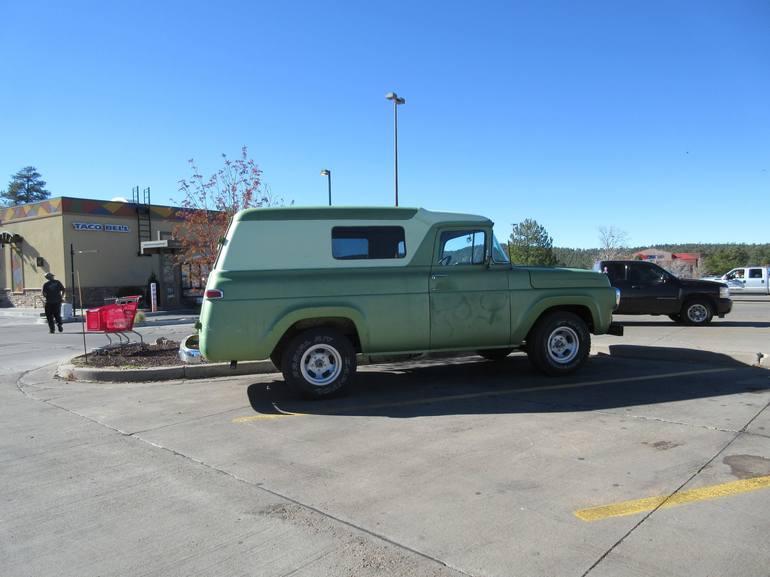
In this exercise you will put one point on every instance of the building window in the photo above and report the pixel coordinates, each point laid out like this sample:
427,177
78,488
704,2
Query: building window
17,270
194,278
368,242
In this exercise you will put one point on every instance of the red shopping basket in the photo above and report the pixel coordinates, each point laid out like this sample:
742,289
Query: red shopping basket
113,318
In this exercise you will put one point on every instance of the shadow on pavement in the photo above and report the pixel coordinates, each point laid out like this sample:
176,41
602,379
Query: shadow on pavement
470,385
717,323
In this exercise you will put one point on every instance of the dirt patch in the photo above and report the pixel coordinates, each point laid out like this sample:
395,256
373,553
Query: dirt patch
161,353
662,445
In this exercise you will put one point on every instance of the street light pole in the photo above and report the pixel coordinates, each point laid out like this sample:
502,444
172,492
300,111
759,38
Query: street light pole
328,174
396,101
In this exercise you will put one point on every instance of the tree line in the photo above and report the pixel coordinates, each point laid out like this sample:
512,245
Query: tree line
530,244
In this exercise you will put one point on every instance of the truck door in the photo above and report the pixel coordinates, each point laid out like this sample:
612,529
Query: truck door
469,300
756,281
651,290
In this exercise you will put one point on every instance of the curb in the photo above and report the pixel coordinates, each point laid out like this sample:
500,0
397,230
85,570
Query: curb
70,372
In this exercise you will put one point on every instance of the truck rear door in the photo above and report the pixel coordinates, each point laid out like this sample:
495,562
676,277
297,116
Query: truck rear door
756,280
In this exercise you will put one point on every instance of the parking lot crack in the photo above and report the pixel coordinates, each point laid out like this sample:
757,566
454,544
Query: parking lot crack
670,422
738,434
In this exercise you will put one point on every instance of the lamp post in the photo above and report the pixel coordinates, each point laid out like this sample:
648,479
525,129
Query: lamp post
328,174
396,101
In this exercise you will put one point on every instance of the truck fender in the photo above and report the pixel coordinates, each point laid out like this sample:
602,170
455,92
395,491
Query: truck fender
529,317
290,318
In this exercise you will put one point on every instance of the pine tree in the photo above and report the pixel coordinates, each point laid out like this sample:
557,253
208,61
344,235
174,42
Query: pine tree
26,186
530,244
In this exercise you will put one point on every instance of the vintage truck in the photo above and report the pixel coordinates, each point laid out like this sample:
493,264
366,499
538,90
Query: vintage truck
309,288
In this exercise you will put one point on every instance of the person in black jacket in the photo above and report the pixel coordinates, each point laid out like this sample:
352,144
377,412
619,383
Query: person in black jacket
53,293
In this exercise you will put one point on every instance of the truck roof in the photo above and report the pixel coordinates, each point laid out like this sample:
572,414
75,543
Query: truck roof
356,213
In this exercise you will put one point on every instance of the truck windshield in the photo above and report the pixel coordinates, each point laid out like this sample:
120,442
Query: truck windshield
498,254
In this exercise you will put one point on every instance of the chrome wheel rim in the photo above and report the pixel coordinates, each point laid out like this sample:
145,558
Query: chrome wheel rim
320,365
563,345
697,313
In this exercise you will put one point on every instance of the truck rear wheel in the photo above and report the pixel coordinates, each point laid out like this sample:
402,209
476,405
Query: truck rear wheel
559,343
697,312
319,363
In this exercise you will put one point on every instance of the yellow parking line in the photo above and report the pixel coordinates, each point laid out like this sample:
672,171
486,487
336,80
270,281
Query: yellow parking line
649,503
494,393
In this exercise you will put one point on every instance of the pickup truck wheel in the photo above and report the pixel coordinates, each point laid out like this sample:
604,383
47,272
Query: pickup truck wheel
697,312
319,363
559,343
494,354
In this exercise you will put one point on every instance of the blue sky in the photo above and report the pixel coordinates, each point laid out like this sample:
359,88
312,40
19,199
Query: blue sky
649,116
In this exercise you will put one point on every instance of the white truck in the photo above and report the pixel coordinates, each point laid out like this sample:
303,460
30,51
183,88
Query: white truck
747,279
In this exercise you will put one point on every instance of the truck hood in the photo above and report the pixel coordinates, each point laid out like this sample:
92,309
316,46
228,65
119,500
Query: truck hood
702,283
565,277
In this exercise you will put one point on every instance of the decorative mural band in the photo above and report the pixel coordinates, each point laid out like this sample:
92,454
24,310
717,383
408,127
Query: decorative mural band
67,205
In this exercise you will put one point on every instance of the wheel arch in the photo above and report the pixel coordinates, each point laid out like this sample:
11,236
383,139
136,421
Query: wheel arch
583,307
347,321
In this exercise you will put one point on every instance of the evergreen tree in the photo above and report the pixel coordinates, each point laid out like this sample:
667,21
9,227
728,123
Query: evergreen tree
26,186
530,244
725,259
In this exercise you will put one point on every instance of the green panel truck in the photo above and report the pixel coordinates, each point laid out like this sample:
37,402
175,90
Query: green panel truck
309,288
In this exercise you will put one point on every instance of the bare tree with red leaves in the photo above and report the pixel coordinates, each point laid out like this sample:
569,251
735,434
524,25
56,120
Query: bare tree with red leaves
209,204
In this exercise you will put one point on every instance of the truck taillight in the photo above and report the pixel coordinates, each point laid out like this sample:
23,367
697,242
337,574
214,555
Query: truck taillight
214,294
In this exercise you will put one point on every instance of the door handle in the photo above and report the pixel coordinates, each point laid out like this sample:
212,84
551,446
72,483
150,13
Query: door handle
435,276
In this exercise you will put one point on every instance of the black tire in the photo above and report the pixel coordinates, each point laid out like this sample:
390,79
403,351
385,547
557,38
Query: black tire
319,363
676,318
559,343
697,312
494,354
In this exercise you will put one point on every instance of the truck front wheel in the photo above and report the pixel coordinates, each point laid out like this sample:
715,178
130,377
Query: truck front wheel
319,363
559,343
697,312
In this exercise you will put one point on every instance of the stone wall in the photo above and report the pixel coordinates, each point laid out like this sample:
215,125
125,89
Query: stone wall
92,297
30,298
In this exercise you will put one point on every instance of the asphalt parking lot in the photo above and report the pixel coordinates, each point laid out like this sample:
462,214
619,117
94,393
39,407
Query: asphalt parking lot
451,467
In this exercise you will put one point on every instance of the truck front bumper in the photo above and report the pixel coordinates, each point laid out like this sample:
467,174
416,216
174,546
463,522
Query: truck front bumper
615,329
724,306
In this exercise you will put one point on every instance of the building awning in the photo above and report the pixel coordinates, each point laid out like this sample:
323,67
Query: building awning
166,246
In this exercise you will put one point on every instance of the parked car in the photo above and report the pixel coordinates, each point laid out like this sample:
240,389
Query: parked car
749,279
309,288
647,289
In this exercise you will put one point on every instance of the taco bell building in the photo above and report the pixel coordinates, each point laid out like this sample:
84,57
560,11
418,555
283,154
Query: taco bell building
116,249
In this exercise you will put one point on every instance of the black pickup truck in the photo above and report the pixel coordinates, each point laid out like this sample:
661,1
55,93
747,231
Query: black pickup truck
647,289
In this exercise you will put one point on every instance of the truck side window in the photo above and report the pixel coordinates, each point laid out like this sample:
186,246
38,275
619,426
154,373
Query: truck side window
616,271
645,274
755,273
368,242
462,247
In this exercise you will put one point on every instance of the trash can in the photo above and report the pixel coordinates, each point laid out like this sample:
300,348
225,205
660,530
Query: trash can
66,311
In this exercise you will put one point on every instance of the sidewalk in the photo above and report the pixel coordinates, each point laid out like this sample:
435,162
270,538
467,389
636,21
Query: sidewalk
27,315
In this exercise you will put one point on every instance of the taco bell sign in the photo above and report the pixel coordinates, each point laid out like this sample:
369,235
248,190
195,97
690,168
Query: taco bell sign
99,226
